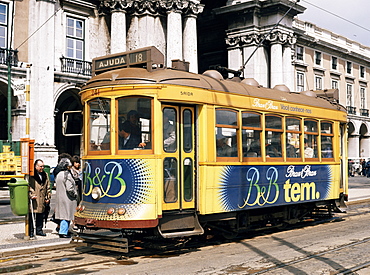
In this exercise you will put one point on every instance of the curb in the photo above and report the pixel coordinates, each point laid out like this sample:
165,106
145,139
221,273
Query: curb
357,201
29,250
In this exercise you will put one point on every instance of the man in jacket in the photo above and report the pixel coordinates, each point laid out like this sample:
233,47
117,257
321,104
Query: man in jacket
127,140
39,194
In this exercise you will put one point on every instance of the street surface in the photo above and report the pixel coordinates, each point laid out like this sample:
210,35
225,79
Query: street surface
340,246
335,247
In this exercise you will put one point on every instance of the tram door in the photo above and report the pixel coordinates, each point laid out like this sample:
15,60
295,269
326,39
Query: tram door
178,157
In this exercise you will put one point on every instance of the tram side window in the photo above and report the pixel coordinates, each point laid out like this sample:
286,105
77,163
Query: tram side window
170,179
273,136
293,137
99,124
187,131
310,139
326,139
134,123
169,130
226,129
251,134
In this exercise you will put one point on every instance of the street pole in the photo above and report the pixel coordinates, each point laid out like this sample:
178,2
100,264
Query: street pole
9,95
28,101
28,70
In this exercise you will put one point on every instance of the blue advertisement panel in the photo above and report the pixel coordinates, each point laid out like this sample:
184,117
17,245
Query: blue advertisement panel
245,187
123,181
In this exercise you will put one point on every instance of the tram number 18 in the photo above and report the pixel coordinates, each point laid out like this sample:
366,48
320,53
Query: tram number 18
138,57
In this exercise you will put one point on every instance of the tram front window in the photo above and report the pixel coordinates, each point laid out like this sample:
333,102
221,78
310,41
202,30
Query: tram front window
99,124
134,123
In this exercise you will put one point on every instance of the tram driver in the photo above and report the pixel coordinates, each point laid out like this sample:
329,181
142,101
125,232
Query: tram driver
126,140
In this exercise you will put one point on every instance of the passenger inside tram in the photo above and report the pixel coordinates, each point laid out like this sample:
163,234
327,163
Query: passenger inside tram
126,140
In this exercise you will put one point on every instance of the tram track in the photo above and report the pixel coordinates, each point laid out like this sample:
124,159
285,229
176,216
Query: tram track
317,255
85,258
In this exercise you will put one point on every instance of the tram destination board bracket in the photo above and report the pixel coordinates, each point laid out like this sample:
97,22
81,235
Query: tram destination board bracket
150,58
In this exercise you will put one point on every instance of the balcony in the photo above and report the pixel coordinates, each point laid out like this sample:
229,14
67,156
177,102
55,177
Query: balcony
9,55
364,112
75,66
351,110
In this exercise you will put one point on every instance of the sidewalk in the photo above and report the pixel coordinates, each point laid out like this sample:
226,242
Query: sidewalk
13,242
12,235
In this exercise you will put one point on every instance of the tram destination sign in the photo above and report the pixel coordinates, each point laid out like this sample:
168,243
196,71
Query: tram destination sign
142,58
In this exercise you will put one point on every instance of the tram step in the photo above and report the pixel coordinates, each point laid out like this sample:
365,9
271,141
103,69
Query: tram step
108,241
179,225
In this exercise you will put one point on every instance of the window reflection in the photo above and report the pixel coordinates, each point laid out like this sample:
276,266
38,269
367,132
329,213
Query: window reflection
99,124
169,130
170,179
134,123
226,129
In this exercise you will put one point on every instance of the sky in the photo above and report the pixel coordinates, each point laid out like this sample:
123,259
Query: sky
349,18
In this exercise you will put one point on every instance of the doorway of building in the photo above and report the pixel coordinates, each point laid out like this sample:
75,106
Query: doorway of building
68,101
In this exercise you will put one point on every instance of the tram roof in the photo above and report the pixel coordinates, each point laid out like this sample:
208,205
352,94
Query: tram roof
140,76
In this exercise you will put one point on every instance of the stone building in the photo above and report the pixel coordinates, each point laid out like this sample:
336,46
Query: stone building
325,60
261,39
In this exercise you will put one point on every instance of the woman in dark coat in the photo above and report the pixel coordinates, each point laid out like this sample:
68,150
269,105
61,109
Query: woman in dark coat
66,197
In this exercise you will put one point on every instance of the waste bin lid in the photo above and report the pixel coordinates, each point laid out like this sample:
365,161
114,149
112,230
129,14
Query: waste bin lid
17,182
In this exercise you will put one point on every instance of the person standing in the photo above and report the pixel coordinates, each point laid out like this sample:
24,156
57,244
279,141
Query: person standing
77,175
39,194
57,168
66,197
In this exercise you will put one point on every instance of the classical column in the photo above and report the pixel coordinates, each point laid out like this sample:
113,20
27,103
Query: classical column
190,43
147,31
288,71
353,146
117,9
255,59
276,64
234,59
364,147
174,36
280,58
118,31
133,34
190,47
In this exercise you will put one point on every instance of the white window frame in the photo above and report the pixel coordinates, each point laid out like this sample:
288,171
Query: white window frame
318,58
334,84
299,53
362,74
362,97
318,82
5,25
75,38
349,67
334,62
300,81
349,94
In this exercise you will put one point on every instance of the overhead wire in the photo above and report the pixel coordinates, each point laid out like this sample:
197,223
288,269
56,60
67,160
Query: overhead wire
336,15
39,28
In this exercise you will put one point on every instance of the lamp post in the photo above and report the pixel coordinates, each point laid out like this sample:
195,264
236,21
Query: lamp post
9,109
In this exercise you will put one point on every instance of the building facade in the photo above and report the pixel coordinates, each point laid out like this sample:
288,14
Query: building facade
53,42
325,60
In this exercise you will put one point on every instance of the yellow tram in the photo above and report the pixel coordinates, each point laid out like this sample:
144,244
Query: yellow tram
172,153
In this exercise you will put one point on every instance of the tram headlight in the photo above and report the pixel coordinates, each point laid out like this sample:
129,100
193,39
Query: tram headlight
121,211
96,193
110,211
81,208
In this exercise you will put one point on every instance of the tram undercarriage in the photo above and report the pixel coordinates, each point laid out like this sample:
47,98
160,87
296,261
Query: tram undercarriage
184,224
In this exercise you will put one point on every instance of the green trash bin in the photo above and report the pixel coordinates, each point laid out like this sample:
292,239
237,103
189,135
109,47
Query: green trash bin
18,189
